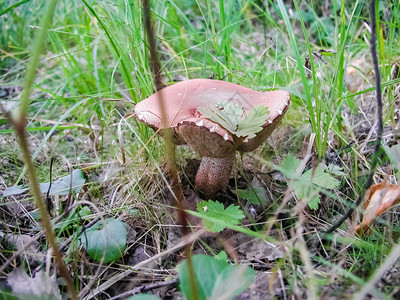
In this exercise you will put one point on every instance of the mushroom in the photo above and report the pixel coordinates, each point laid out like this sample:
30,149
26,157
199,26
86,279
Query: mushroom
215,144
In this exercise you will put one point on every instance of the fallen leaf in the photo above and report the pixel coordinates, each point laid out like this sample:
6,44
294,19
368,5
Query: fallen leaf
58,187
32,252
42,286
378,199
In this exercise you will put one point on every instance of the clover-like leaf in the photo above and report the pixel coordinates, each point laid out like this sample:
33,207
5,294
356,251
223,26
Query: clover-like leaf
226,114
307,185
252,122
289,166
320,178
232,215
106,240
230,116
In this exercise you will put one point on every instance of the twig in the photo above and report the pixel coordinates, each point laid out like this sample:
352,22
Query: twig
145,288
49,203
170,147
380,123
19,124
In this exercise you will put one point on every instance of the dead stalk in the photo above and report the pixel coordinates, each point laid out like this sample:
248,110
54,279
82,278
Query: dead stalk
170,147
19,124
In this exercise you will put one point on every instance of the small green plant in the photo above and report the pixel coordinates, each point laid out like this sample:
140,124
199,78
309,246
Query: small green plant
106,240
215,278
74,219
224,216
254,195
307,185
230,116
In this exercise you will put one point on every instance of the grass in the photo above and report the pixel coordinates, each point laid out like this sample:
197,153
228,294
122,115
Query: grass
96,65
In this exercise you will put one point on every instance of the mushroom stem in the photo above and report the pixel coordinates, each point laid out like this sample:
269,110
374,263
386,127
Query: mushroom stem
213,175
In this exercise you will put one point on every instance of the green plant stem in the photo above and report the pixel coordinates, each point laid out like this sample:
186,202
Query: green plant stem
20,129
380,122
170,147
13,6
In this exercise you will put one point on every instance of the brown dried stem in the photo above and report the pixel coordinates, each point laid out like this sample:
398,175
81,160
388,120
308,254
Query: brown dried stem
375,158
19,124
170,147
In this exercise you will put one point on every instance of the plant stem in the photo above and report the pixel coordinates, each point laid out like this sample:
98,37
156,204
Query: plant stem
20,129
380,122
170,147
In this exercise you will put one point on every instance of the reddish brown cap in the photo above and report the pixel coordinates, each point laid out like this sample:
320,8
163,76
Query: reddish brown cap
206,137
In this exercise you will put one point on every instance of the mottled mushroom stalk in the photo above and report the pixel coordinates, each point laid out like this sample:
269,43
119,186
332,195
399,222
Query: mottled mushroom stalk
213,175
214,143
217,150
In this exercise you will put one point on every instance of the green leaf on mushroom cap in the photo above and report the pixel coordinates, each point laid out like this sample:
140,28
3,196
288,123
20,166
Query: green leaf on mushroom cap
229,115
226,114
253,121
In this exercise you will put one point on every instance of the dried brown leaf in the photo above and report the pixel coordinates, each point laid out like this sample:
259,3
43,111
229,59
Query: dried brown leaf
42,286
378,199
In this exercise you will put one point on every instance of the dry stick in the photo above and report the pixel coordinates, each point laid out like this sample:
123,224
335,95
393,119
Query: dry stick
170,147
145,288
380,122
20,129
35,190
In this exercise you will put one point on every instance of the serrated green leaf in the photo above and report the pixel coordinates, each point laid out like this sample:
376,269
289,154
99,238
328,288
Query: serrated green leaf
226,114
215,278
229,115
335,170
304,188
306,192
320,178
229,216
289,166
105,240
252,122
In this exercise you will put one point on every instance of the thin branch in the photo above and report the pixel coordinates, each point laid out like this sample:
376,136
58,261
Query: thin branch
170,147
19,124
145,288
378,141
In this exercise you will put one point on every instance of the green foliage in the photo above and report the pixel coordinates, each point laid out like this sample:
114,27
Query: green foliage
229,115
307,185
74,218
253,195
59,187
225,217
394,155
215,278
106,240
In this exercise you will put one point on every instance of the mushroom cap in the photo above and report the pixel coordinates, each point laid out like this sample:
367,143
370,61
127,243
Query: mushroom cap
206,137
